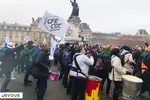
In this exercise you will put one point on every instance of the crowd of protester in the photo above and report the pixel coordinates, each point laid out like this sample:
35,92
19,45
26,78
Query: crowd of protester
26,58
107,62
75,63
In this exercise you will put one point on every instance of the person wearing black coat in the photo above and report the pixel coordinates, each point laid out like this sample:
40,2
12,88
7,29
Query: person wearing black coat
93,52
8,64
43,63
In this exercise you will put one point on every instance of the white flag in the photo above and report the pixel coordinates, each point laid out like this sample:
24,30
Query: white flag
53,25
44,41
27,38
52,48
7,39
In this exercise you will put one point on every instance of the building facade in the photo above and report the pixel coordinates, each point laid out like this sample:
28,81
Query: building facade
119,39
17,32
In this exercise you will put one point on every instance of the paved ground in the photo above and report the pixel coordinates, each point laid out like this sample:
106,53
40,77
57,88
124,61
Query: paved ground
55,90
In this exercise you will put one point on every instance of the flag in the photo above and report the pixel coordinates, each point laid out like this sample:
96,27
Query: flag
5,41
27,38
44,41
52,48
53,25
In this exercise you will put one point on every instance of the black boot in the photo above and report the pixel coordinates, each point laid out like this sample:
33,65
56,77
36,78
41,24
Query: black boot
27,83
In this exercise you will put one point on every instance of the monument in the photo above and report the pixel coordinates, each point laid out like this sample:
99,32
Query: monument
74,21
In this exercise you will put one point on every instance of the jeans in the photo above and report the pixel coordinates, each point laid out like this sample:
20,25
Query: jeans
6,82
27,72
41,86
61,68
20,68
117,89
105,77
69,87
78,88
66,73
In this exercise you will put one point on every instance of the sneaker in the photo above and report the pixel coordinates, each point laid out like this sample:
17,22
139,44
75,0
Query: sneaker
13,78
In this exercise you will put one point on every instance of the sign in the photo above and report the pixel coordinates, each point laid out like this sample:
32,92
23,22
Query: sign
53,25
11,95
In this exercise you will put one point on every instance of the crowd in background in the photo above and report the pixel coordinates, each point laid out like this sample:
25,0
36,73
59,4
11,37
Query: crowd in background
75,63
106,62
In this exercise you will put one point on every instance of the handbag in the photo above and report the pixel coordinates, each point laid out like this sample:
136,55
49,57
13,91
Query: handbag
35,71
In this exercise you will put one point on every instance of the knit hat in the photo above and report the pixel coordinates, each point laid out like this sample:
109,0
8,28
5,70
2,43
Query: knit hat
30,43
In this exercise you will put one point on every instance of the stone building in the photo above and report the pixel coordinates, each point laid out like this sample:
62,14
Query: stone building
17,32
118,39
85,32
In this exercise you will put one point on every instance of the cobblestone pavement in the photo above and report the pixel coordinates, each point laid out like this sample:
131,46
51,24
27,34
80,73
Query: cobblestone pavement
55,90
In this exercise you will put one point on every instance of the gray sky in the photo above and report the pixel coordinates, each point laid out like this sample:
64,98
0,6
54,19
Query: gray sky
125,16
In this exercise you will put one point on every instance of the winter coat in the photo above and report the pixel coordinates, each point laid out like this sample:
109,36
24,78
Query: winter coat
117,70
128,59
95,56
84,62
27,54
9,59
42,61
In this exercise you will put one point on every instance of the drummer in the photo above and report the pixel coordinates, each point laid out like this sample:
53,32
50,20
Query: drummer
117,72
79,73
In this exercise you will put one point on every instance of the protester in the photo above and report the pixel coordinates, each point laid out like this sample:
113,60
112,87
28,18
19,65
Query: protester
60,63
66,63
73,51
7,64
145,69
128,58
79,73
117,72
43,63
27,52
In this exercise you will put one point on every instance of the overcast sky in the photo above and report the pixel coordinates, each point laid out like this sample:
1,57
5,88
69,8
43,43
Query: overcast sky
125,16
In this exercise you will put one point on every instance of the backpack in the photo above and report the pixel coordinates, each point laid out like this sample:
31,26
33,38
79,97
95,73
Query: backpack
66,58
99,64
122,57
34,70
107,63
56,54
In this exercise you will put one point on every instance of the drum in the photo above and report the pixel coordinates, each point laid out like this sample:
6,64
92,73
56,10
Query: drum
53,76
93,88
132,87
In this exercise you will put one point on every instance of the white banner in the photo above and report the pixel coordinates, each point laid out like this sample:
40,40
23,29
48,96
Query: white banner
53,25
27,38
52,48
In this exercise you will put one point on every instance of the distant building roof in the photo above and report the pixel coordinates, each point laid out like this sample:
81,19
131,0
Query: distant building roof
142,32
10,24
84,26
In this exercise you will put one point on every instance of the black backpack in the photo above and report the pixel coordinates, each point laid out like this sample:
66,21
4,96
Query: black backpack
122,59
56,54
107,63
66,58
